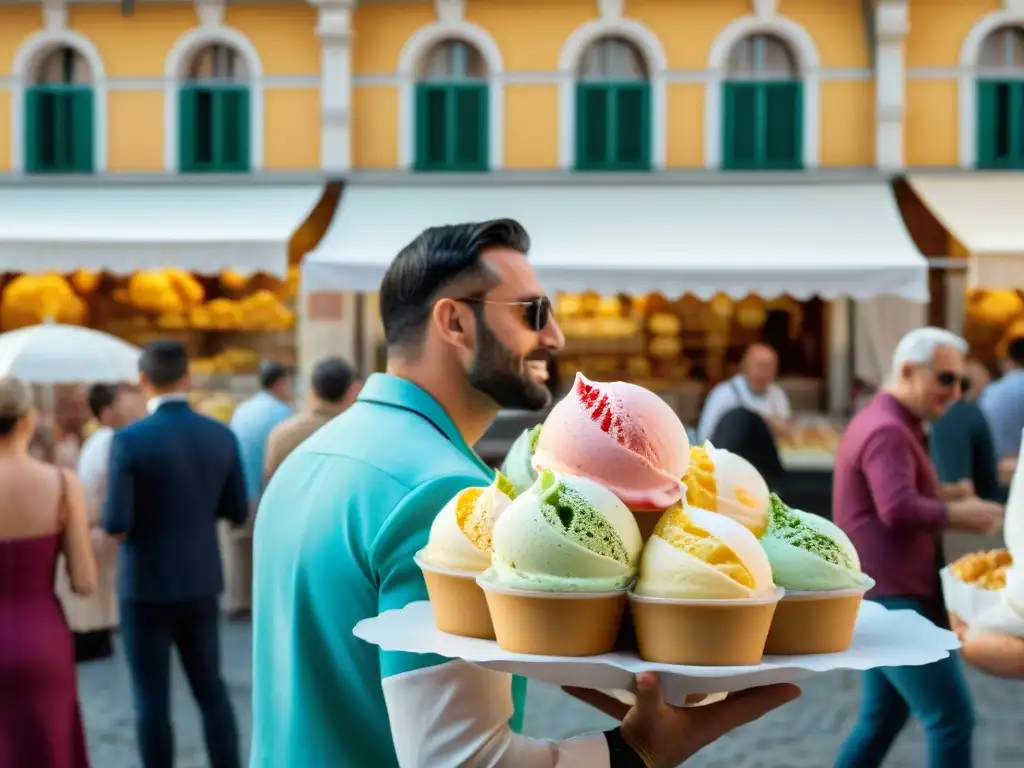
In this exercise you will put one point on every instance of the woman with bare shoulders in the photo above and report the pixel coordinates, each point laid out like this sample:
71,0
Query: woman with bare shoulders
42,514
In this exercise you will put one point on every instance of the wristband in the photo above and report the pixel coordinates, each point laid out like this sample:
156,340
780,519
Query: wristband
620,753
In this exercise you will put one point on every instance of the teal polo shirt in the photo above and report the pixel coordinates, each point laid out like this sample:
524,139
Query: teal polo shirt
336,532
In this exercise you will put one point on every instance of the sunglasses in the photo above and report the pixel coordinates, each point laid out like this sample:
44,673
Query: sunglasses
536,312
948,379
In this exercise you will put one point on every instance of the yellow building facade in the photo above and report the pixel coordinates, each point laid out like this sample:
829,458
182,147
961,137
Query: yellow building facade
141,103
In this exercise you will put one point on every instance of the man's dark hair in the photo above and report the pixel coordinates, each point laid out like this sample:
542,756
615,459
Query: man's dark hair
1015,351
101,397
164,362
271,374
332,377
422,270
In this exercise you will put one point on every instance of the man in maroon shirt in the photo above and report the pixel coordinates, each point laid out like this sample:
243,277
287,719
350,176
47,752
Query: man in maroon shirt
887,498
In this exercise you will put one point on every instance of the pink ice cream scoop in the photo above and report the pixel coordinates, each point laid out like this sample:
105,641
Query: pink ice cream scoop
620,435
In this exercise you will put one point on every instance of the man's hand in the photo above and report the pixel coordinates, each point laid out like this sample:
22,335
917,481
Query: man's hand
962,489
974,515
666,736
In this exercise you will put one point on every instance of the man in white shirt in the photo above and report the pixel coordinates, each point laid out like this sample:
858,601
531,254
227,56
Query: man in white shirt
93,618
753,388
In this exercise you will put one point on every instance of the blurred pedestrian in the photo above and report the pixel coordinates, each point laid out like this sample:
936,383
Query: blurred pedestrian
961,442
252,423
173,476
754,389
42,515
1002,402
886,496
333,387
94,618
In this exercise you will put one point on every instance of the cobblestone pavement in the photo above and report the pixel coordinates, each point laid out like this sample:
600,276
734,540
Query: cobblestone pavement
805,734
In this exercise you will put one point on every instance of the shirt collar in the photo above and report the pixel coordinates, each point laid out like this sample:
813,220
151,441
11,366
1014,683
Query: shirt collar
396,392
174,397
899,410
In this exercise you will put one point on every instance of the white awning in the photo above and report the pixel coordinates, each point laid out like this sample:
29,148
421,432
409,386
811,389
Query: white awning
121,229
804,240
985,213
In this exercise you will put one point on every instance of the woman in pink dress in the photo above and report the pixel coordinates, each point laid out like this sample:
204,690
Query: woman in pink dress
42,514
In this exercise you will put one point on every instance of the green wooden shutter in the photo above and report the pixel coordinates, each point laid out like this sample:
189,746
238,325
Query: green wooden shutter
632,130
435,128
986,122
783,125
593,126
741,125
187,129
231,128
469,127
82,119
33,130
1000,121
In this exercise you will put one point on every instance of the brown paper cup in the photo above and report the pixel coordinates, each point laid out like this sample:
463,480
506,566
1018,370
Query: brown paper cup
458,603
555,623
711,633
815,622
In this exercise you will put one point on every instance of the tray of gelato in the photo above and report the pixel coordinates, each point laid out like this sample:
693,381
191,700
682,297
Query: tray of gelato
609,546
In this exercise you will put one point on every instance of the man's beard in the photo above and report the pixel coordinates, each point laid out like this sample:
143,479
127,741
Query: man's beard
502,376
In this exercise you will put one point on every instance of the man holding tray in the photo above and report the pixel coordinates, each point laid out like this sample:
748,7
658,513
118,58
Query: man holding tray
342,517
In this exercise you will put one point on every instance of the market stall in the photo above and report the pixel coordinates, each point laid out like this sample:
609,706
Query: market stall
665,284
212,265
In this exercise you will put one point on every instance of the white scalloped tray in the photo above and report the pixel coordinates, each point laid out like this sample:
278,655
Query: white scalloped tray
882,638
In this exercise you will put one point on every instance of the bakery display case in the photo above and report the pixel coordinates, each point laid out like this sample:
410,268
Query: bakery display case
682,347
229,323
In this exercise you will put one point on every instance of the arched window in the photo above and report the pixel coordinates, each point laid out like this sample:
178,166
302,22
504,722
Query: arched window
613,108
452,109
59,114
213,113
763,107
1001,100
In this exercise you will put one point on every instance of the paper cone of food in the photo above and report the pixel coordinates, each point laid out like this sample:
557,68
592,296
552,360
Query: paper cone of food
458,550
705,594
819,568
724,482
564,554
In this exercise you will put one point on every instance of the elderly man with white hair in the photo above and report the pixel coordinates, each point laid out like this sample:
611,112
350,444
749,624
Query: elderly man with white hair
887,498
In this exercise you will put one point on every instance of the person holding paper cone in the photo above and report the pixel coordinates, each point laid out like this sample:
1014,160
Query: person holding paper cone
340,522
994,641
886,499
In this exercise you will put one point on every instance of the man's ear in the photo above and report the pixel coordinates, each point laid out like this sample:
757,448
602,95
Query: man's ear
455,323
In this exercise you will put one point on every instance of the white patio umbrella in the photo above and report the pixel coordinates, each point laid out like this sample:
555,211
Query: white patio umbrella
67,354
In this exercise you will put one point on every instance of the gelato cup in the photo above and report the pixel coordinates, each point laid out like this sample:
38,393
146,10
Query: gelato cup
554,623
458,603
815,622
696,632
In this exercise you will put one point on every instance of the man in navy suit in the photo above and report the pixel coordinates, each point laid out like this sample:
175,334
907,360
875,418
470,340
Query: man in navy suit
172,476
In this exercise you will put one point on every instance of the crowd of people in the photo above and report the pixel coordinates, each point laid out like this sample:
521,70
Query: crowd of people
310,520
